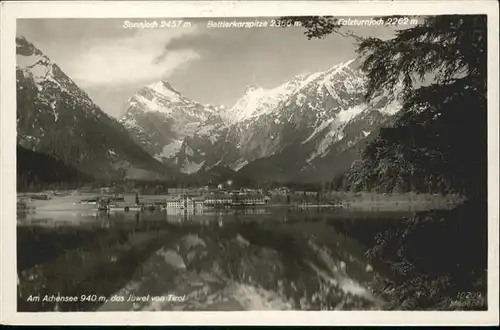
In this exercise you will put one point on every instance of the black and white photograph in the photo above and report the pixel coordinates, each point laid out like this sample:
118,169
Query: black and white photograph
257,163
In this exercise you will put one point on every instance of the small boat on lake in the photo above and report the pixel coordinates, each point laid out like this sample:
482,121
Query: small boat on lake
89,201
114,208
61,193
118,204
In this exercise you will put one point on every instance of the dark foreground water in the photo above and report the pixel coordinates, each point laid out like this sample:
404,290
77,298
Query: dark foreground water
235,260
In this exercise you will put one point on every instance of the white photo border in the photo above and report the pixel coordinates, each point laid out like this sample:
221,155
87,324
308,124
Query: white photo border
10,11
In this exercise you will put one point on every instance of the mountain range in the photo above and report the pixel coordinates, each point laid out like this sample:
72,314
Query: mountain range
308,128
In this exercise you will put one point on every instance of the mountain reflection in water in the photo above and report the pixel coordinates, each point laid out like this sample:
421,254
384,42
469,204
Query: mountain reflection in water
249,259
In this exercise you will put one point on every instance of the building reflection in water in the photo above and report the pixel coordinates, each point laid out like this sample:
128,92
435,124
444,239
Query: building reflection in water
177,216
138,219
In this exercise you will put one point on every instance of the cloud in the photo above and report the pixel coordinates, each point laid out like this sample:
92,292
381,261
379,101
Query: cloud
131,59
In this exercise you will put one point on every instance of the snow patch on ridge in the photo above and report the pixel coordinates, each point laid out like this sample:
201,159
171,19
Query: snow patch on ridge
170,150
318,129
214,165
191,167
330,138
240,163
161,88
53,107
347,115
335,134
391,108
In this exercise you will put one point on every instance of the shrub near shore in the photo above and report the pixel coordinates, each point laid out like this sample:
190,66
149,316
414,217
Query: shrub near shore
433,260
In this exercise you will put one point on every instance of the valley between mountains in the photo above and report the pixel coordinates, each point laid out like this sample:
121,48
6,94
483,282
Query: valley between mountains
307,129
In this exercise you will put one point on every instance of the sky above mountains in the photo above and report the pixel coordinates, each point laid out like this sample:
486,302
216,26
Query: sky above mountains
210,65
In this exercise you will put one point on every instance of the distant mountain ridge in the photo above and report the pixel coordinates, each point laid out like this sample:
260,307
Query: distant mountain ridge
309,127
57,118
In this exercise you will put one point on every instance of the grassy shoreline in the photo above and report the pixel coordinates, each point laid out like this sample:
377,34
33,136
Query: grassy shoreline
365,200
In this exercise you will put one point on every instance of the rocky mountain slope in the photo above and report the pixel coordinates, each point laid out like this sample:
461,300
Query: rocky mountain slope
56,117
161,120
309,128
316,131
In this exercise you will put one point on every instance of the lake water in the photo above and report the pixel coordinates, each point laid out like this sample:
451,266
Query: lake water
246,259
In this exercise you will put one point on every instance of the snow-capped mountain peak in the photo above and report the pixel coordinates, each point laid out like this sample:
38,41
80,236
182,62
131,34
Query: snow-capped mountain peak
160,118
56,117
166,90
25,48
258,101
158,97
304,122
33,64
341,66
31,60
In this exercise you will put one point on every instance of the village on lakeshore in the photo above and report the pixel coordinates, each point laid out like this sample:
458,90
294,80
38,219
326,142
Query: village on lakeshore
193,199
116,198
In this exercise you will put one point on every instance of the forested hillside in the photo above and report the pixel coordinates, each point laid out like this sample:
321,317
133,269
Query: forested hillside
36,171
